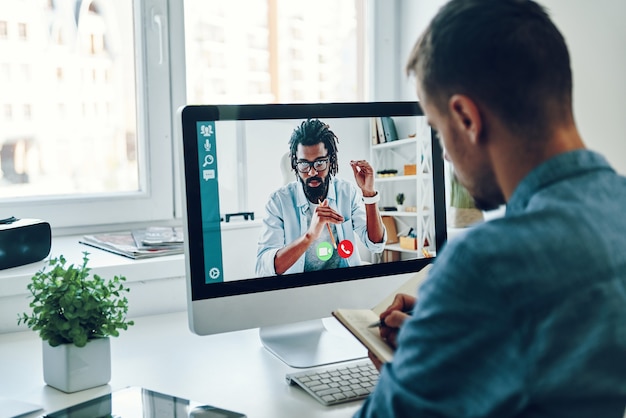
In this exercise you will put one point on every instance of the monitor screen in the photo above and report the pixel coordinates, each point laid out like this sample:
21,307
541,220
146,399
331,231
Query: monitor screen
248,194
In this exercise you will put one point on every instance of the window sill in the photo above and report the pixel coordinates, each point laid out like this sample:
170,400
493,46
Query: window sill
157,285
13,281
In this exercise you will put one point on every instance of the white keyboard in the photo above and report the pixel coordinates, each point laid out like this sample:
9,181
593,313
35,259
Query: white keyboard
336,384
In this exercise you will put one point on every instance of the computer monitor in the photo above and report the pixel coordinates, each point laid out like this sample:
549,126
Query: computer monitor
236,156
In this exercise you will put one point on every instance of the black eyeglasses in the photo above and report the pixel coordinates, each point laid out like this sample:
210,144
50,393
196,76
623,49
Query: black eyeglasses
318,165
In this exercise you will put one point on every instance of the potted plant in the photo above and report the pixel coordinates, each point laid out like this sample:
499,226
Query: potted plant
75,314
462,211
400,201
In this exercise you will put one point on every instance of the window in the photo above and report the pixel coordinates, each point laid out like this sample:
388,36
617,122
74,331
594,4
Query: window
28,112
8,112
89,132
25,72
270,55
22,31
87,160
5,72
281,39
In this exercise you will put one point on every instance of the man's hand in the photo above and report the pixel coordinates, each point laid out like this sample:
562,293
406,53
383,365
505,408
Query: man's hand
377,363
394,316
289,254
364,176
323,215
392,319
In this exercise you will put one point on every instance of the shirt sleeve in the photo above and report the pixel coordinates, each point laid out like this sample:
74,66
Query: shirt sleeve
271,240
457,354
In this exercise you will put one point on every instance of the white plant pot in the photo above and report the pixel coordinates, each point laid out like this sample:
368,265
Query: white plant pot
70,368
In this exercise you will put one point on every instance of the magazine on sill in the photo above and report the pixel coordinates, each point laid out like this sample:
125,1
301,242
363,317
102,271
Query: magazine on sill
156,237
139,243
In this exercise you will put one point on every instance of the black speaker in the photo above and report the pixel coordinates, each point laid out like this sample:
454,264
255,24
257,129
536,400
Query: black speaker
23,241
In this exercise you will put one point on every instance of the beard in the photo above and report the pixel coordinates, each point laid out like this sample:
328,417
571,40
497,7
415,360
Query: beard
485,191
318,193
489,204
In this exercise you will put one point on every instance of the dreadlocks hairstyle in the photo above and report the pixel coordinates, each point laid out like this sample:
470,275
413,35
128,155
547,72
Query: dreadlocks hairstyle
312,132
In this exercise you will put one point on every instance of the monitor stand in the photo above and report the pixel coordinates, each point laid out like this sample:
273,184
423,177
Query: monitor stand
312,343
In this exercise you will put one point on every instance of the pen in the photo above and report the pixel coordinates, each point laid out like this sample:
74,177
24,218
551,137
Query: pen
330,231
381,323
377,324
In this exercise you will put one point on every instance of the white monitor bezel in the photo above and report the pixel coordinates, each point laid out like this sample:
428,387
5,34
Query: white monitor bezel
259,302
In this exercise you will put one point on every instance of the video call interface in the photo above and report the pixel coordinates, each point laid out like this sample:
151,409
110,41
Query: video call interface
242,163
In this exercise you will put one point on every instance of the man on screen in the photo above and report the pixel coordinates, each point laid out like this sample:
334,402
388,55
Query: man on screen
311,223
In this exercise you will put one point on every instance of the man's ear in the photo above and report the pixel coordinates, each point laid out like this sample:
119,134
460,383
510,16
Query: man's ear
466,115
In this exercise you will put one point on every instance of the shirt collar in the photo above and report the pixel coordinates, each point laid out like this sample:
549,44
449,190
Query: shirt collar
558,168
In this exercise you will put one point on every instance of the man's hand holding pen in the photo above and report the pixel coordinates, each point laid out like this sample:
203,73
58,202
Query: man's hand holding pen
394,316
324,215
392,319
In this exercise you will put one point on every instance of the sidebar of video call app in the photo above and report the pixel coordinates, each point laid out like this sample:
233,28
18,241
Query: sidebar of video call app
209,195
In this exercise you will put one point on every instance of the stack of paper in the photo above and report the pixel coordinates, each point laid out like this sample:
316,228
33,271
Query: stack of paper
139,243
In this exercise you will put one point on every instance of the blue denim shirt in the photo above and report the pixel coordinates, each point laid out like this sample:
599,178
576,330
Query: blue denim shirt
523,316
287,218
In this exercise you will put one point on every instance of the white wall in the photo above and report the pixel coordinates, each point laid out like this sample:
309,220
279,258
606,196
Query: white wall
596,36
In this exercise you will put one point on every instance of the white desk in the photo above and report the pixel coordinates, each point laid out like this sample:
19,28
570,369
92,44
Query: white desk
231,371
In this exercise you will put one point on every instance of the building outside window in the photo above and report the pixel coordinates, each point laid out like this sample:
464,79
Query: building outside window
92,83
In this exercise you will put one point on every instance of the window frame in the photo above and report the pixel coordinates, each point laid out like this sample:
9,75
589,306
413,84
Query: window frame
154,201
161,91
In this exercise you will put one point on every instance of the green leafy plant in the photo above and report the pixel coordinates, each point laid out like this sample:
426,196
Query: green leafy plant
400,198
69,306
